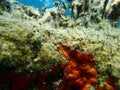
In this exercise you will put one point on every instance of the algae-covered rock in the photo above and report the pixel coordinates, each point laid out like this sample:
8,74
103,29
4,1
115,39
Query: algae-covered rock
21,47
18,46
31,44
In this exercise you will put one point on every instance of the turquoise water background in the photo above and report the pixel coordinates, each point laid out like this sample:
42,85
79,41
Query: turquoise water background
41,3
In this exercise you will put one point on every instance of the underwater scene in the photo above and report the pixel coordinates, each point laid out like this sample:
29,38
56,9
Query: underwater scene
59,44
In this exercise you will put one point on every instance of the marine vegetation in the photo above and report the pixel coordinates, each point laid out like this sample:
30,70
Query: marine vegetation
79,70
84,13
78,73
45,49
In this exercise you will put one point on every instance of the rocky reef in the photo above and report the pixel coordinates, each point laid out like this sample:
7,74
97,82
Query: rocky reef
29,37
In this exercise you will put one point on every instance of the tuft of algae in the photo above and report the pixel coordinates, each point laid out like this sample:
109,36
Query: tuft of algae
26,35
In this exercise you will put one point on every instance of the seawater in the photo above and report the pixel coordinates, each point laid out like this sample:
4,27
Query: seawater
42,3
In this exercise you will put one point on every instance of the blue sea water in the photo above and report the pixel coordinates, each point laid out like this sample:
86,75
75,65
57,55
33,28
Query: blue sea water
41,3
118,23
38,3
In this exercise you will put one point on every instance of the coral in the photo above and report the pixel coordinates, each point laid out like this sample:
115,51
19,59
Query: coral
19,80
79,70
41,80
77,74
108,85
